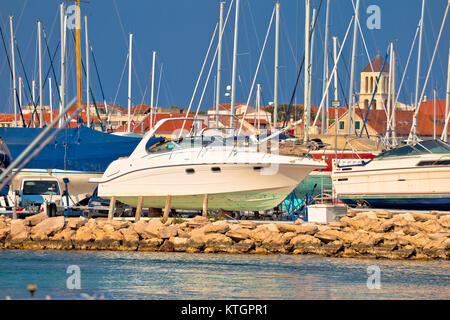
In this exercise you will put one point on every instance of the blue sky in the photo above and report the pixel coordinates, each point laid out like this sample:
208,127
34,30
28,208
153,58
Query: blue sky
180,31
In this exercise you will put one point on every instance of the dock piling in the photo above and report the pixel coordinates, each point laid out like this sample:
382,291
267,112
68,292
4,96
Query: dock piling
112,207
139,209
167,207
205,205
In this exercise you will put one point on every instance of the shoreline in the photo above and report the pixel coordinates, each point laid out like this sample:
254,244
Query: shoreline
372,235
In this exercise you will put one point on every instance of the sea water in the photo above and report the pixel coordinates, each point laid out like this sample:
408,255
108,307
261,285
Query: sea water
156,275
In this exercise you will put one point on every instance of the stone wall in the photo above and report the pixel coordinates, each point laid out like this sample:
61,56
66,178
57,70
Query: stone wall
368,234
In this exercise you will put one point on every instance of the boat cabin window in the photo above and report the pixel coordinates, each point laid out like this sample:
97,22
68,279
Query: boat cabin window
167,145
40,188
423,147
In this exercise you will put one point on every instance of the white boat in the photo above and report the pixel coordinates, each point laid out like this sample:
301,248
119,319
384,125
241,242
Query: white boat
413,176
233,177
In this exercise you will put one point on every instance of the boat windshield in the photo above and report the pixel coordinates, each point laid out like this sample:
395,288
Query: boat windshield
167,145
423,147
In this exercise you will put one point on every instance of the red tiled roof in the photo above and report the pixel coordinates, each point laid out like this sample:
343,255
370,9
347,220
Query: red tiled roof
377,63
167,127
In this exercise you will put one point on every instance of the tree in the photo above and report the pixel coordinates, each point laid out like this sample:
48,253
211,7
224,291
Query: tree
296,112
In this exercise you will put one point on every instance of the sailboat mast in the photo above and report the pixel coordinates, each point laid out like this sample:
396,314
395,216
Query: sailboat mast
390,102
33,99
41,113
336,98
325,71
275,89
130,53
88,83
20,92
311,61
419,56
258,105
51,98
447,101
153,86
393,99
13,69
78,50
63,21
219,62
351,109
307,71
233,73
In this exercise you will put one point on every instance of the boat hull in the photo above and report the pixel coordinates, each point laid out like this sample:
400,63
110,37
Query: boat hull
235,187
402,202
408,188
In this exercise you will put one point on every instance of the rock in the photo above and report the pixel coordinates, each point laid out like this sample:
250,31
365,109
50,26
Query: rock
247,224
182,234
328,235
299,221
360,222
18,230
84,234
108,228
270,227
419,240
99,234
404,252
430,226
76,223
419,216
65,234
407,216
152,229
286,227
129,235
275,242
114,235
383,214
149,244
239,234
304,243
217,242
216,228
439,248
287,237
4,232
444,221
118,225
166,232
49,226
259,234
330,248
307,228
336,225
368,214
167,246
243,246
379,226
179,244
139,227
35,219
198,221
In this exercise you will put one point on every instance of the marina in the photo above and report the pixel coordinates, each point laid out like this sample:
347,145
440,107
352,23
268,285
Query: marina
228,175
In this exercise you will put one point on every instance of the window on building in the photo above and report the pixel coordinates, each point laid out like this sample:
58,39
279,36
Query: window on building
341,125
357,125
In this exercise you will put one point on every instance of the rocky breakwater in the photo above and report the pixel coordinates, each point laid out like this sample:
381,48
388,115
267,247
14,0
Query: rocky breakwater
367,234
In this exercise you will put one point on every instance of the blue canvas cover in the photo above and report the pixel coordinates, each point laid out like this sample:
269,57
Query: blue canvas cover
78,149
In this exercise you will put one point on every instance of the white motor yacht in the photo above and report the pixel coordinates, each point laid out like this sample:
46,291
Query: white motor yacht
233,177
413,176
